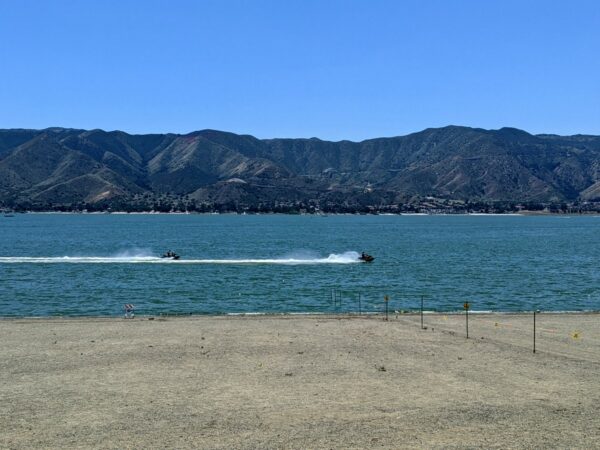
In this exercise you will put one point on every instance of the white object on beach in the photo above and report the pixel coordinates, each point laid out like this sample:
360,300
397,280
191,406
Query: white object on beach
129,311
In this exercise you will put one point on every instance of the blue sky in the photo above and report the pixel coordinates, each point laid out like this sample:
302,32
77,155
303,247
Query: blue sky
291,68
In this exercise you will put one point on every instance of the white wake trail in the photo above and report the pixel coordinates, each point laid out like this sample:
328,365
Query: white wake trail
343,258
77,259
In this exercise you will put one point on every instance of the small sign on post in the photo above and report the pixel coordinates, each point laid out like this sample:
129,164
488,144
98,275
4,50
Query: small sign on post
129,311
466,306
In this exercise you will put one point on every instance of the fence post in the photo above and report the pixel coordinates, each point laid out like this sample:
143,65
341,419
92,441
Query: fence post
386,300
421,311
534,313
466,305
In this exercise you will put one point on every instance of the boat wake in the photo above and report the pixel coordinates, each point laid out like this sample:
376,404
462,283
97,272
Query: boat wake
343,258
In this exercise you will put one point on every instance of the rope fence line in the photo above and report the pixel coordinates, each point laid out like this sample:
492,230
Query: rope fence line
568,338
510,325
563,343
380,303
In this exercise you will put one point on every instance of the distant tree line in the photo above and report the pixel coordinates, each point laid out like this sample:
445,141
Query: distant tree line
167,203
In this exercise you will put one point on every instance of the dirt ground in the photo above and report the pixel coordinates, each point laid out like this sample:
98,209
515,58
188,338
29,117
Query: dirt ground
301,382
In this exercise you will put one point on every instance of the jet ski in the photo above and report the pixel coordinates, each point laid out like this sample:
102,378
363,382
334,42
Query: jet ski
171,255
364,257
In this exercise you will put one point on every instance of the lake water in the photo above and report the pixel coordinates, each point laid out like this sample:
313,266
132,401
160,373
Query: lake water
53,264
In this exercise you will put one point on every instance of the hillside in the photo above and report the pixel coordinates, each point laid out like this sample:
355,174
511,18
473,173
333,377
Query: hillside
59,168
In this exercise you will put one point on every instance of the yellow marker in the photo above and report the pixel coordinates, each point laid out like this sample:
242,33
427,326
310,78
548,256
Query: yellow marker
445,317
496,324
576,334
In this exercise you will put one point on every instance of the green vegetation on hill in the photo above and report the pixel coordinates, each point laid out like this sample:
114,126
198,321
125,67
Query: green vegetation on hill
451,169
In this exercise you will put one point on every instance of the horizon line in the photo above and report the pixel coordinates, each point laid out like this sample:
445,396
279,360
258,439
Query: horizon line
299,138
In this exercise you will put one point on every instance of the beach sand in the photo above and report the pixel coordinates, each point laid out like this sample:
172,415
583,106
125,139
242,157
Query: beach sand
301,382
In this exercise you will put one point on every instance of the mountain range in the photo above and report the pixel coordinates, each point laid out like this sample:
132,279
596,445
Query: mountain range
70,168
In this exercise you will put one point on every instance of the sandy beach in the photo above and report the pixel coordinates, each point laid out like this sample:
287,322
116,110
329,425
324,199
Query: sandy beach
301,382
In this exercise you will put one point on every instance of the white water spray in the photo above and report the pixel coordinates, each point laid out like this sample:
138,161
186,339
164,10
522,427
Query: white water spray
143,257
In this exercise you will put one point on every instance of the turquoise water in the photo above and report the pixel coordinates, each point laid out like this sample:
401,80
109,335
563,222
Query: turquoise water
52,264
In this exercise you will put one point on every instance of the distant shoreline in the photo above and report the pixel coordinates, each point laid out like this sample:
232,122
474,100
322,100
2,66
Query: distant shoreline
233,213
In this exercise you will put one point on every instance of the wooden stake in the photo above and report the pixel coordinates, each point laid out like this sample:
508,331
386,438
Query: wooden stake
467,305
534,313
386,300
